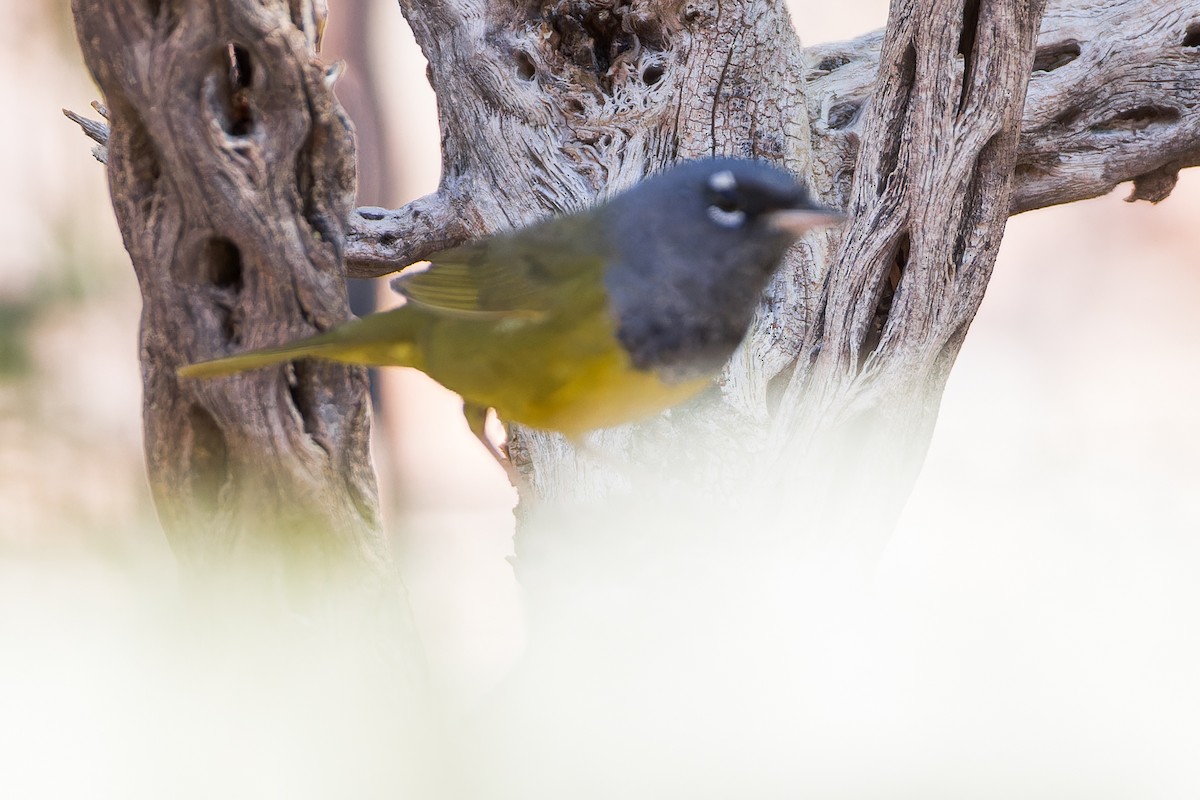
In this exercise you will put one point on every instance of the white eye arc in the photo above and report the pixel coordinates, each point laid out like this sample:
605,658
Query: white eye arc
727,219
722,181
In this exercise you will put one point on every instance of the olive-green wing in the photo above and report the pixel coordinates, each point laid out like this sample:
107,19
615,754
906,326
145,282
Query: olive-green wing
528,273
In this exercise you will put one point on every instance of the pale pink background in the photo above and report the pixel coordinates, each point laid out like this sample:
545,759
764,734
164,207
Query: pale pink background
1064,462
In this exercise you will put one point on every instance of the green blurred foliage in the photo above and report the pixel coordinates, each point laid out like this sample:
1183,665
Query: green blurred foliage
70,278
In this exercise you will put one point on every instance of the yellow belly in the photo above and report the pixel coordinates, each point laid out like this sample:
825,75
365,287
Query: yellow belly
601,394
566,373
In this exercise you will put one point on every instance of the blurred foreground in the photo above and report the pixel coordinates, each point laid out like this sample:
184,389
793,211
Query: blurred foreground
1031,630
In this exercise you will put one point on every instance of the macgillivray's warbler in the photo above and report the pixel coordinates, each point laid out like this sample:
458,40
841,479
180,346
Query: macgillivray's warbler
590,320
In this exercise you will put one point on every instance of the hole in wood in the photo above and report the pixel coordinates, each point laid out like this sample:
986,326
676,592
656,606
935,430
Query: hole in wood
223,262
526,69
1029,170
144,166
221,268
843,115
966,38
208,459
237,117
241,71
1192,37
888,289
1051,57
603,38
693,12
830,63
966,48
652,74
1140,118
305,399
1067,118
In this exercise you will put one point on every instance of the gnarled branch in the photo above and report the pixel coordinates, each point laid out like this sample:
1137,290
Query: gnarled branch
1108,102
231,170
1114,97
546,107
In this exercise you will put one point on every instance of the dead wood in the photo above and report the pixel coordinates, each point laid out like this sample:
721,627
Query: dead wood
231,171
920,131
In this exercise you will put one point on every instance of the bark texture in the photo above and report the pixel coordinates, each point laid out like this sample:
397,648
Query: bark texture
922,132
929,200
1112,98
232,174
547,106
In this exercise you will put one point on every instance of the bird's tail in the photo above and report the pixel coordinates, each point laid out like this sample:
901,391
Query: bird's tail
379,340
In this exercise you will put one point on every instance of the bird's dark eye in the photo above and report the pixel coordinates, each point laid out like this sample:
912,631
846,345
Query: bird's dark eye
725,204
725,209
726,200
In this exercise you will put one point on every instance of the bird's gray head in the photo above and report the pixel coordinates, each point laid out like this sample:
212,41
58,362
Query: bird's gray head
695,247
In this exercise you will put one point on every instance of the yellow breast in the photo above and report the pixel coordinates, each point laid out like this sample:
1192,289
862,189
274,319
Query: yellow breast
604,392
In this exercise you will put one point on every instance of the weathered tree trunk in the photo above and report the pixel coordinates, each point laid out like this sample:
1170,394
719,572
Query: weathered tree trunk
923,133
825,413
231,168
230,171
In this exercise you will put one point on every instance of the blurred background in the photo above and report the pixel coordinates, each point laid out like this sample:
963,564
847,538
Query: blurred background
1054,531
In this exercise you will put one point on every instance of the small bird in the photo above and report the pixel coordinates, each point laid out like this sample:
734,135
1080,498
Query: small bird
589,320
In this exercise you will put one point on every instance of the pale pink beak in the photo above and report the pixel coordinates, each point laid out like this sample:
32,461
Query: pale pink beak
798,221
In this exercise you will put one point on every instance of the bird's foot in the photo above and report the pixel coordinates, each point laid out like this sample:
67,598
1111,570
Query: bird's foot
477,421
